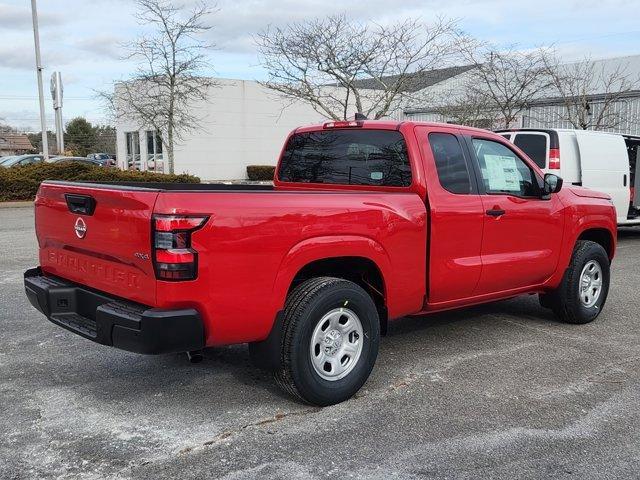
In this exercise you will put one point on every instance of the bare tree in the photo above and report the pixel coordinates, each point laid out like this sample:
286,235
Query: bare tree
335,64
6,128
168,81
589,92
508,80
467,108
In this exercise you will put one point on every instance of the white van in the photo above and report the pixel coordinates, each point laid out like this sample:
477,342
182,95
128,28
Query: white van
598,160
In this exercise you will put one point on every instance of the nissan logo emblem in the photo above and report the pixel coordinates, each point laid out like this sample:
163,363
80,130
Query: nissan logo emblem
80,228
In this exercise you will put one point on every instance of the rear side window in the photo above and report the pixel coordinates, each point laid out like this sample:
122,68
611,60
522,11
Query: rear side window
535,146
450,163
347,157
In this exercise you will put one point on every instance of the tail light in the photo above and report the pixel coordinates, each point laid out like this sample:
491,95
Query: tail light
343,124
554,159
174,258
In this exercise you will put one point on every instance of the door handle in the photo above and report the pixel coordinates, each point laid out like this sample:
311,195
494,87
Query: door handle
82,204
495,212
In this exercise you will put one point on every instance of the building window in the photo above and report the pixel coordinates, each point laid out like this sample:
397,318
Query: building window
132,140
154,151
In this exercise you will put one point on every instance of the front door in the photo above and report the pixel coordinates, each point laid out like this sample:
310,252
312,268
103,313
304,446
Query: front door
522,229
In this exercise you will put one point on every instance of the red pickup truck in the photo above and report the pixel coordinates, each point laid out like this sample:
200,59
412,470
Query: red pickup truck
367,221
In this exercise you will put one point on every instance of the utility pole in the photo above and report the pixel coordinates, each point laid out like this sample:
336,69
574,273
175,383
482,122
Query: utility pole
56,95
36,39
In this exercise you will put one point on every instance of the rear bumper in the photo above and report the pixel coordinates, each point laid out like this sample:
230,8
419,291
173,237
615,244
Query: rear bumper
111,321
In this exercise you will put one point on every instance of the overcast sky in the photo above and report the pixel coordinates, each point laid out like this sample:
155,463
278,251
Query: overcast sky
81,38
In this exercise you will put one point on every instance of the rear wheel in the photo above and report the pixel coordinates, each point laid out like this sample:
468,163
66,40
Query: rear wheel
330,341
585,285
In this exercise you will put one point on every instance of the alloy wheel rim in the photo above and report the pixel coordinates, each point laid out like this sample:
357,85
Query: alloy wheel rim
336,344
590,284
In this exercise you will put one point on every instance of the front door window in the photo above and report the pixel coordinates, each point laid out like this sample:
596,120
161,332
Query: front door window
503,172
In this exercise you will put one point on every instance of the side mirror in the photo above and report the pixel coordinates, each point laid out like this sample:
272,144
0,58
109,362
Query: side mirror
552,184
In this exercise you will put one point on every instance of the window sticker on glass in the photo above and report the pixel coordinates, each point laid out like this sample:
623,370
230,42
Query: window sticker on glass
376,175
502,173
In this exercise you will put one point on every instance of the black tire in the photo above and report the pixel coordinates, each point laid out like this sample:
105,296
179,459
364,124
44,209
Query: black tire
565,300
304,308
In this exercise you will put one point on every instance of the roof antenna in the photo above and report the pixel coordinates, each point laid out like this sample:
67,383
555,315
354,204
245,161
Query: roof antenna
360,116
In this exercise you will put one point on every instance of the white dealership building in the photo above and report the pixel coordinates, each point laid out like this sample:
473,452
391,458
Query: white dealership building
244,123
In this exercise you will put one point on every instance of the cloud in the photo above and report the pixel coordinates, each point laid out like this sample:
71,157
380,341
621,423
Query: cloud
18,57
25,119
101,45
87,48
22,57
19,17
236,22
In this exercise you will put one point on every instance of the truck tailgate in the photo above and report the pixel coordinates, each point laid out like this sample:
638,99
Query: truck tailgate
108,249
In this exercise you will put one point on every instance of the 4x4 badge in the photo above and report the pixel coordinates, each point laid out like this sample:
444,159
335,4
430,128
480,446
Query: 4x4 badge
80,228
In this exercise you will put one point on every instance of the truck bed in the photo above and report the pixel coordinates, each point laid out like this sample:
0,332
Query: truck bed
256,239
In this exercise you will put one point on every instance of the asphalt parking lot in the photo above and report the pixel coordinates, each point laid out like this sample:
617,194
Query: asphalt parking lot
498,391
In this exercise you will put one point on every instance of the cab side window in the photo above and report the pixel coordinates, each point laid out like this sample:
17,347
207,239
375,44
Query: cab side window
503,172
450,163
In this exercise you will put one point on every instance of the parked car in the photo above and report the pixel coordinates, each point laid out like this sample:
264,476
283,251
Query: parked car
134,164
156,165
367,222
21,160
599,160
6,158
85,160
104,158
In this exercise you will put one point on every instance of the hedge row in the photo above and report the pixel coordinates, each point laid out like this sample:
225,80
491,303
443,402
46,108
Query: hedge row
21,183
261,172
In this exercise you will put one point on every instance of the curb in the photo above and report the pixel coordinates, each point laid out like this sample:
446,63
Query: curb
16,205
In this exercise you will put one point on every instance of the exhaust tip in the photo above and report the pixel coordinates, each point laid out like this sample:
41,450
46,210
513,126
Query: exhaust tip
195,356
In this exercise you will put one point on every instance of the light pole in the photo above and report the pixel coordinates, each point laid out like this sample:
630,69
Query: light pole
36,39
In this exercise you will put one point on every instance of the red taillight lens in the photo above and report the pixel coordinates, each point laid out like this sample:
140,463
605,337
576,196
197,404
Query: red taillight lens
170,223
342,124
174,258
554,159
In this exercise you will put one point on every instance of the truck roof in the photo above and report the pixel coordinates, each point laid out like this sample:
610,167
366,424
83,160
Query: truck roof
388,125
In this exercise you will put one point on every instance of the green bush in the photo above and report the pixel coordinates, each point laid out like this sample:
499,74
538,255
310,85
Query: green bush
261,172
21,183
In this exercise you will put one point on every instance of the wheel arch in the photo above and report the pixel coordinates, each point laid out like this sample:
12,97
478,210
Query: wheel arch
601,236
325,256
357,269
599,230
359,259
324,248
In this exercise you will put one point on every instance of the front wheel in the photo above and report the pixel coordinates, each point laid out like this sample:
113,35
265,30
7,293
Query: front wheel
330,341
585,285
